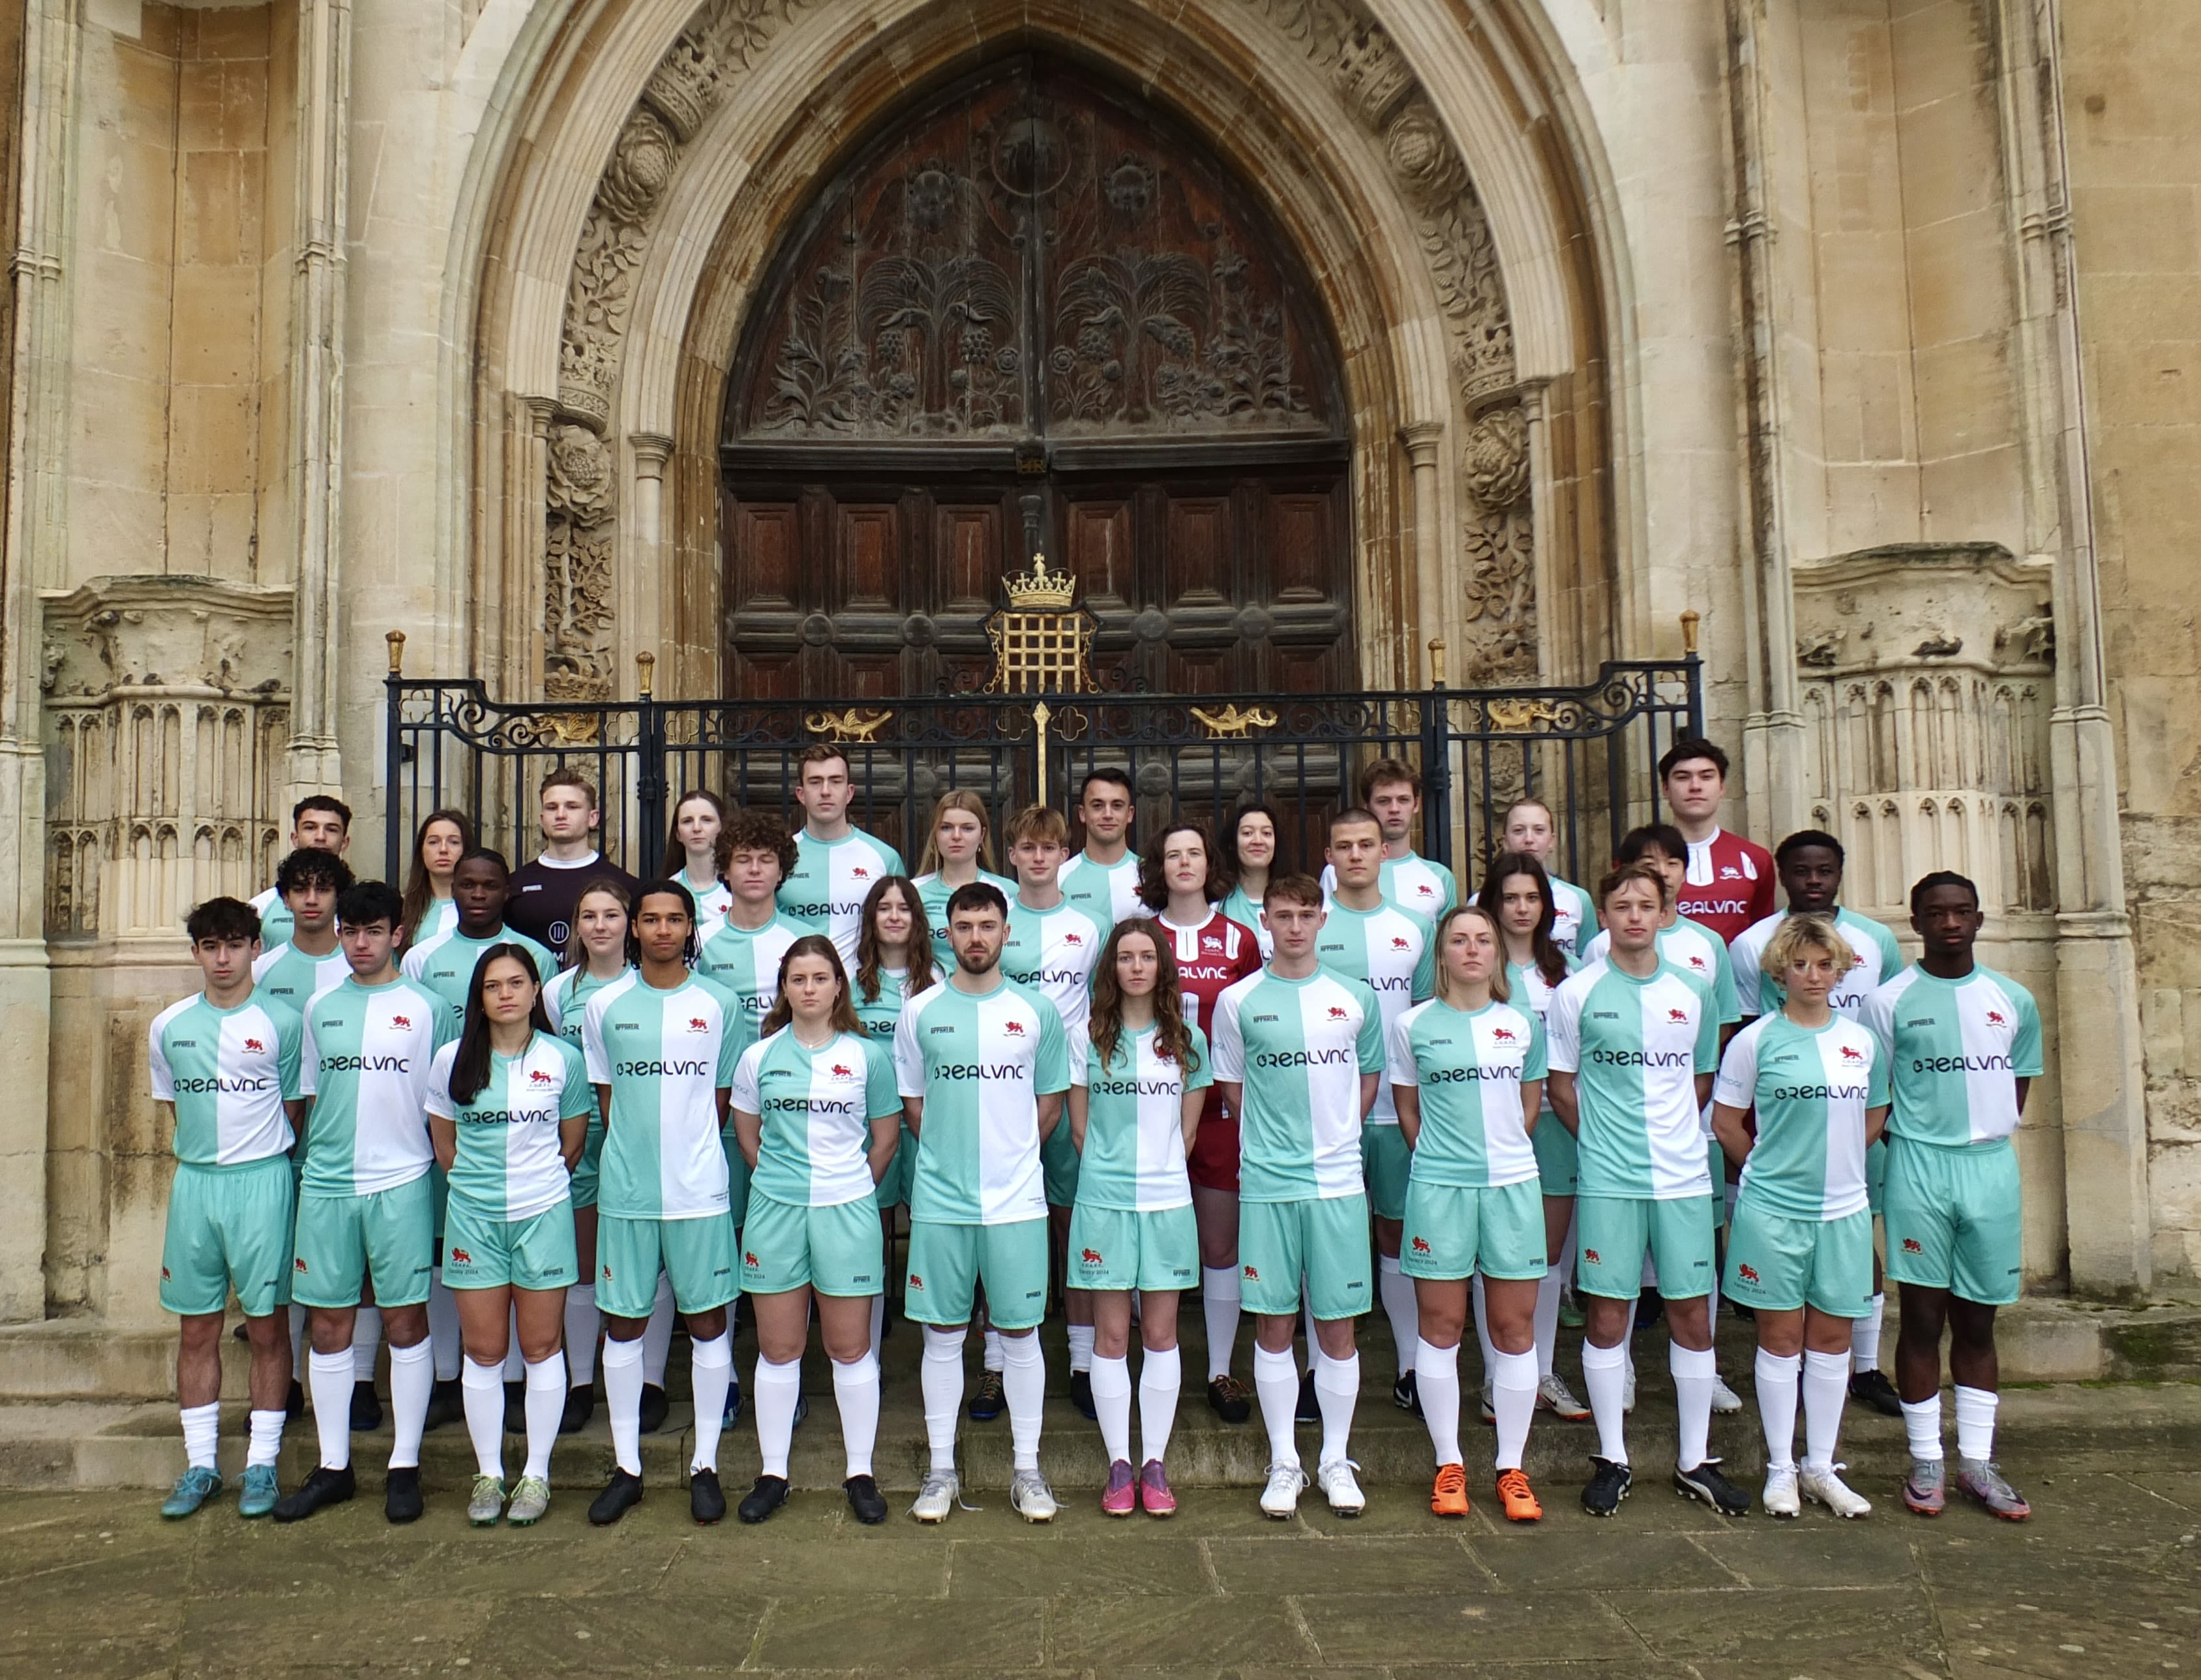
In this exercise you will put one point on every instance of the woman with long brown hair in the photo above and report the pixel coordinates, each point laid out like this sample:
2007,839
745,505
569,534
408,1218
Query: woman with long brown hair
443,837
691,853
894,963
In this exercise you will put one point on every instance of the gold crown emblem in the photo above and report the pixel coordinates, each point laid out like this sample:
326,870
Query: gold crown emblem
1040,591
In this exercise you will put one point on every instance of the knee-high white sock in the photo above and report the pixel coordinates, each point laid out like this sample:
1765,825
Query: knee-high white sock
546,1406
301,1342
1776,1406
1112,1401
856,1395
878,1328
365,1343
1482,1330
990,1356
583,1323
1219,1306
1976,1422
1826,1388
443,1329
202,1434
1694,1373
515,1362
1436,1379
483,1392
328,1378
623,1374
779,1386
1023,1385
657,1334
1921,1423
1864,1336
1276,1386
1604,1374
412,1383
1336,1390
1080,1337
940,1378
263,1441
1396,1290
1161,1375
710,1370
1545,1325
1513,1398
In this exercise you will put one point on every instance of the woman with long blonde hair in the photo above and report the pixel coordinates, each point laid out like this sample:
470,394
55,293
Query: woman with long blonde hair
958,850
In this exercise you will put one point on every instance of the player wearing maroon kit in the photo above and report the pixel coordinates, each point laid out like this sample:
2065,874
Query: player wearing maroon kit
1730,880
1179,881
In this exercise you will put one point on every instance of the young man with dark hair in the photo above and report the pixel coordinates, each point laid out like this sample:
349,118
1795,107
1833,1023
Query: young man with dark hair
836,862
367,1203
1103,879
1964,1048
1391,792
311,882
224,1068
318,824
546,889
1728,883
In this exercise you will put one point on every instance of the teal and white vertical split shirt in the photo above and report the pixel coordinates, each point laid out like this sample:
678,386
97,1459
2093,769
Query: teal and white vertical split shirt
745,962
294,979
831,882
1574,918
1635,1048
1758,993
880,1013
1413,884
933,893
665,1055
1468,1068
980,1064
445,963
1134,1155
1105,892
1811,1087
1393,952
228,1073
1697,952
817,1107
1050,953
275,918
509,1165
368,1057
1246,914
1957,1049
1298,1048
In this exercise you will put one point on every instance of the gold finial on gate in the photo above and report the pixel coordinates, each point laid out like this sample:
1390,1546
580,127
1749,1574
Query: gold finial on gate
396,640
1689,622
645,673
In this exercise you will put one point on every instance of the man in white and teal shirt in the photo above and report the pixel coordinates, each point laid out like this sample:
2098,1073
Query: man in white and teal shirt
1299,1052
982,1065
837,864
309,881
662,1044
319,823
366,1202
1964,1046
1103,879
1391,792
1367,937
225,1070
1633,1044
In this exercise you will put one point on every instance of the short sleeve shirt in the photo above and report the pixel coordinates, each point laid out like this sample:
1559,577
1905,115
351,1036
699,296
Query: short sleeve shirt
1467,1069
1957,1049
880,1014
831,881
933,893
1391,952
294,979
816,1107
745,961
566,1000
1107,892
1811,1087
275,920
1878,958
666,1054
509,1164
1298,1049
1210,959
1635,1048
1134,1155
1696,951
445,963
1413,884
1246,914
1050,953
1528,990
228,1073
368,1060
980,1063
1728,884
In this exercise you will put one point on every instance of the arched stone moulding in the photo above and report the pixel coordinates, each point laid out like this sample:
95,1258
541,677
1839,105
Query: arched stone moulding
608,482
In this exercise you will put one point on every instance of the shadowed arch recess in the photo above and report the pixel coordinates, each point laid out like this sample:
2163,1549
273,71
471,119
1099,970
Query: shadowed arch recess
1033,312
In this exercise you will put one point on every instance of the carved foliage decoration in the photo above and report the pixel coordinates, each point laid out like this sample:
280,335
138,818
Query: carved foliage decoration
1498,579
577,567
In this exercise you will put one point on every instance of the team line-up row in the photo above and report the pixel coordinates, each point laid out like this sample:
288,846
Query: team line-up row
1184,1067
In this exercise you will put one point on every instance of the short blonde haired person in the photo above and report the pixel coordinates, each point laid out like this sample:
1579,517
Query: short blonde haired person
1807,932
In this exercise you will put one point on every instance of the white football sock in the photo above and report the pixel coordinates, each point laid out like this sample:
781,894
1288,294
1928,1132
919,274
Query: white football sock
1513,1398
856,1394
1921,1423
1161,1375
1776,1375
443,1329
1081,1347
264,1444
1482,1329
412,1383
657,1334
624,1369
1864,1335
1396,1291
1336,1389
940,1376
1436,1379
711,1373
1694,1372
546,1406
1546,1324
990,1355
583,1324
1976,1423
365,1343
1111,1401
1276,1386
328,1379
778,1387
483,1388
1218,1304
1024,1383
1825,1387
1604,1374
202,1433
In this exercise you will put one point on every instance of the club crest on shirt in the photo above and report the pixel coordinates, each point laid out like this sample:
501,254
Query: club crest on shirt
1337,1014
1698,962
1851,1052
1677,1016
460,1257
916,1282
1210,943
255,1045
750,1260
697,1024
1994,1019
1747,1273
1014,1029
401,1023
1252,1274
857,872
536,1076
841,1072
1421,1245
1503,1035
1089,1256
1401,943
1729,873
1073,939
1590,1254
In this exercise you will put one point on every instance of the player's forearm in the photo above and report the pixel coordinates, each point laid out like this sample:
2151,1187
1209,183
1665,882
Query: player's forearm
1560,1088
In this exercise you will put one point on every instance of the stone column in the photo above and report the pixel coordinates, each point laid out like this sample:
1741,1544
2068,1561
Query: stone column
1424,443
646,624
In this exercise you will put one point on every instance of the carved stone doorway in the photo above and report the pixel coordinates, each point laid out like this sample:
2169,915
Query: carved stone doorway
1036,313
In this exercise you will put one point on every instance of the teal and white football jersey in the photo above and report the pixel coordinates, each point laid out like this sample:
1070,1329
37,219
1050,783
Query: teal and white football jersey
367,1057
1413,884
228,1073
1697,951
1050,953
566,1000
1525,983
1105,892
745,962
1468,1070
1811,1087
1247,915
294,979
666,1056
1957,1049
445,963
1391,953
831,881
1134,1155
1299,1048
1758,993
880,1014
980,1064
1574,918
509,1165
817,1107
712,900
933,894
1635,1048
275,918
441,916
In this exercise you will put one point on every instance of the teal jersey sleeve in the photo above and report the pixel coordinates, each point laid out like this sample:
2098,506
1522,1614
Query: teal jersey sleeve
1051,1067
578,1098
731,1042
1708,1035
1425,971
881,1096
1879,1090
1725,1002
290,1039
1370,1045
1203,1070
2025,1047
1537,1063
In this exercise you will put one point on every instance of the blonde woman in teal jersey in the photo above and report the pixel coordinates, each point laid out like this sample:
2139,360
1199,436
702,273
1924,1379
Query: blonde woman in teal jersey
958,850
893,964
